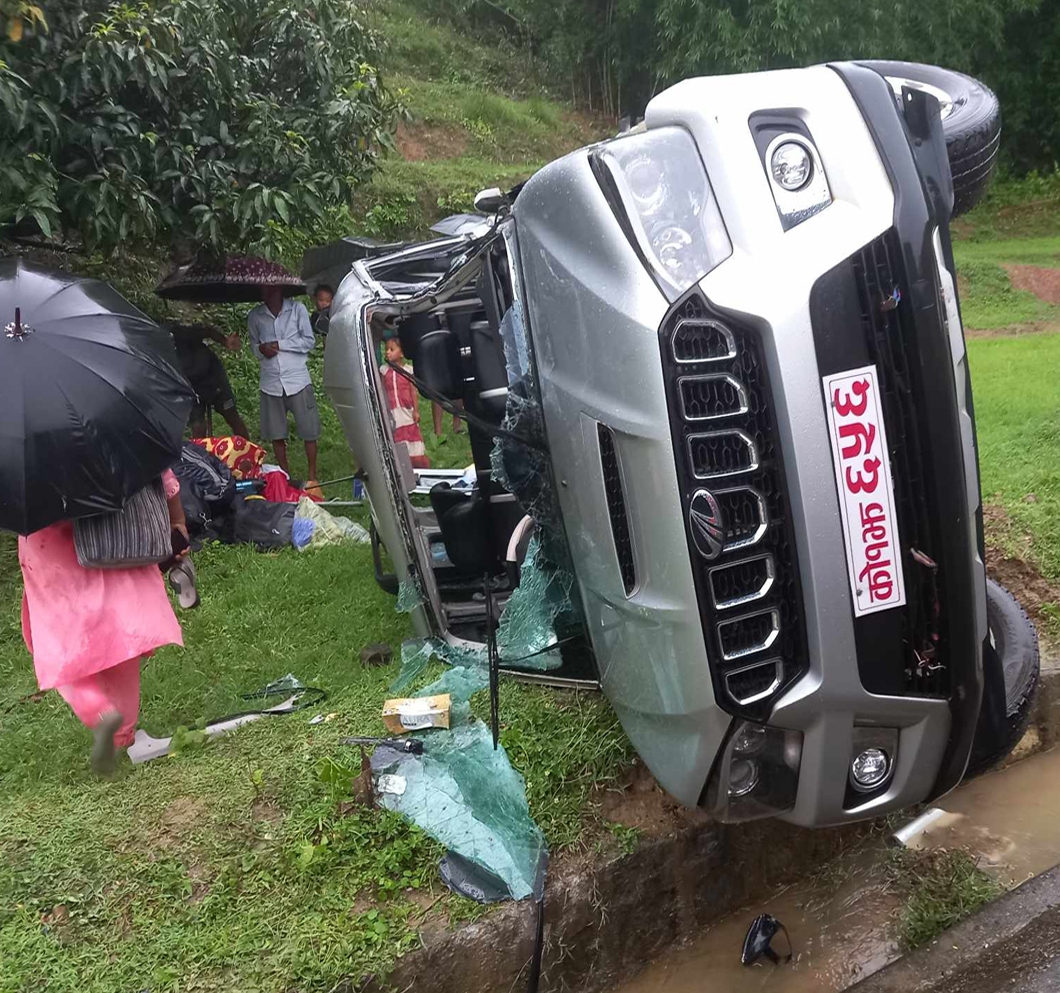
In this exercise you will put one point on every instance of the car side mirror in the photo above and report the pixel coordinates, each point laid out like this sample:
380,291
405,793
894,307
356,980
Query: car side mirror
491,200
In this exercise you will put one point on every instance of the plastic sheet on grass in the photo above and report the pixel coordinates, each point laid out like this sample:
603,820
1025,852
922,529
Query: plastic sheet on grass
327,529
468,797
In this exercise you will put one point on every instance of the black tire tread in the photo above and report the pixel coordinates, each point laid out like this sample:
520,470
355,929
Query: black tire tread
972,147
1020,709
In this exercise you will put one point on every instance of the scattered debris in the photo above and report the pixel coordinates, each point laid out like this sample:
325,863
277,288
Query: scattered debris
467,796
376,655
362,787
910,834
145,747
317,527
413,745
465,878
404,714
759,941
410,595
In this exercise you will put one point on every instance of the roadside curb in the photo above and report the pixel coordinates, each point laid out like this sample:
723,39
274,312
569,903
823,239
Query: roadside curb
992,950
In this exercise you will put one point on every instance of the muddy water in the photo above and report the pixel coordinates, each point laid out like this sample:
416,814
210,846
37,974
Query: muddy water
841,926
1010,819
843,922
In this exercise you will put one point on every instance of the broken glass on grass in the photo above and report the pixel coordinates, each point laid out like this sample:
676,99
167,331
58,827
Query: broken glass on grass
410,595
468,797
526,631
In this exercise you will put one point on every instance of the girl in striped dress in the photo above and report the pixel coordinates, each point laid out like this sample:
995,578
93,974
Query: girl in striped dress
403,401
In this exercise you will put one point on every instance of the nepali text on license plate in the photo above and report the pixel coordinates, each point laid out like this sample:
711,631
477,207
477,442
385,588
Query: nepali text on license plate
866,495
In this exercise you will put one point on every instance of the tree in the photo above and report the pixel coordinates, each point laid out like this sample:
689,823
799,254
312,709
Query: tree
200,120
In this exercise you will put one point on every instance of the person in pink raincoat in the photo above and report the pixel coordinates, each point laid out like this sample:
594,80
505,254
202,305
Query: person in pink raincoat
88,629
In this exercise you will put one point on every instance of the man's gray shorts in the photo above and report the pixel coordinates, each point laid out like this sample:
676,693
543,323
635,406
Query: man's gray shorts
274,415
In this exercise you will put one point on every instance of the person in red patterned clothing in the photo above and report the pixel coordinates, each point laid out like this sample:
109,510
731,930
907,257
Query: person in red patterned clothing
403,401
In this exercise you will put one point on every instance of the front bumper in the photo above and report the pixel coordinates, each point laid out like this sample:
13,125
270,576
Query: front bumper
862,671
655,640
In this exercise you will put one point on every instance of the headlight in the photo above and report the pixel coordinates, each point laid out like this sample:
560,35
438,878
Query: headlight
659,191
757,773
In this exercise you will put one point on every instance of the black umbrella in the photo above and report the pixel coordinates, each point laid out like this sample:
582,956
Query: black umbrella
92,401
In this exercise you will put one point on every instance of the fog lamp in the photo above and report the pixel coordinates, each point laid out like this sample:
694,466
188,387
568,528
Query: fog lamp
743,777
756,774
869,768
791,165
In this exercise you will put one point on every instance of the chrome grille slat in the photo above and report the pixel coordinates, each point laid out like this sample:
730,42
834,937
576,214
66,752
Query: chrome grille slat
749,684
739,533
748,634
725,435
702,340
742,582
720,454
711,397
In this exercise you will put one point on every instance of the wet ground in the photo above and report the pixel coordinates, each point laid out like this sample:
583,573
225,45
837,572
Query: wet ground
843,921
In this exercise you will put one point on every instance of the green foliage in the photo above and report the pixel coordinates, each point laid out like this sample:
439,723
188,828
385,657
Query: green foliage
614,55
199,119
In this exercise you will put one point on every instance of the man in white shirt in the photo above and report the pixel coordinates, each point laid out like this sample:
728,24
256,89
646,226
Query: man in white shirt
281,338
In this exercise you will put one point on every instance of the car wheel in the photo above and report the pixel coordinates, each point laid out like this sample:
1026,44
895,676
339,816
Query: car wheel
971,121
1014,642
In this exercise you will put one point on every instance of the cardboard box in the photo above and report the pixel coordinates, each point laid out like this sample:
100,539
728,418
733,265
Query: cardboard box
404,714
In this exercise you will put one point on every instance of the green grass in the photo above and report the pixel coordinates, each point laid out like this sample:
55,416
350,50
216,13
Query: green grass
438,52
235,866
1017,409
1015,224
941,889
990,302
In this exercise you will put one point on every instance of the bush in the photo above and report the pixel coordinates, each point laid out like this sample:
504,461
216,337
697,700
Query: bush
212,121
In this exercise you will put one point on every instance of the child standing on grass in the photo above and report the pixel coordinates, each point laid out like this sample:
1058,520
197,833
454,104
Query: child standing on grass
403,401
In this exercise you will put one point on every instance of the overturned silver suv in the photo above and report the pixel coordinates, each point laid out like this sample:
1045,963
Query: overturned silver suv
715,367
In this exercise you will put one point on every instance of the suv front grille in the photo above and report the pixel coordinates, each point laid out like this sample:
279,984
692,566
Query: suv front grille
725,440
890,348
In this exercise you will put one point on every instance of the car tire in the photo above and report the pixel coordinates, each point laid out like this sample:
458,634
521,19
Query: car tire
971,123
1014,640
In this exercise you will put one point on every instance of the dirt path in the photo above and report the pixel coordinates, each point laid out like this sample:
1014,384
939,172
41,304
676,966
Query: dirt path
1042,282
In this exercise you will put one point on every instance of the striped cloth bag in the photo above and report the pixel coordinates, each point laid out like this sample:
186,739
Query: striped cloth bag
138,534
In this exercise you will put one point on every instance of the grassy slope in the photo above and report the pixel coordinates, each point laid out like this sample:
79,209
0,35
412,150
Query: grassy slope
237,866
1016,402
1017,224
477,117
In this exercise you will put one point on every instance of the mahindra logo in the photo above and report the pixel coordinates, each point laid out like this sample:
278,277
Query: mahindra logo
708,528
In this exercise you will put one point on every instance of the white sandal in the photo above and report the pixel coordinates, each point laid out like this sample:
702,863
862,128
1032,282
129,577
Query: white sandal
182,582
